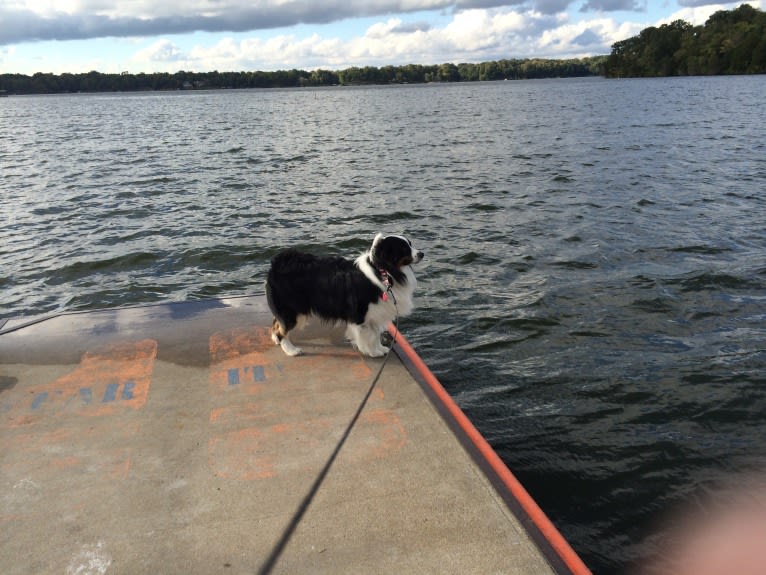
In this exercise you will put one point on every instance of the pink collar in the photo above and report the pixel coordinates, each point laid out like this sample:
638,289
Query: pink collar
386,279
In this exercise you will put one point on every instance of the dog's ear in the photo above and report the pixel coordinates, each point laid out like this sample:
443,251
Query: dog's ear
377,255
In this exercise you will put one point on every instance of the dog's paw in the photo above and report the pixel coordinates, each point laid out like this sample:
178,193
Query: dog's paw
378,351
289,348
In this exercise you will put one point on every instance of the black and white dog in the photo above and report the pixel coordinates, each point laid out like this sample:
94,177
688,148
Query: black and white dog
365,294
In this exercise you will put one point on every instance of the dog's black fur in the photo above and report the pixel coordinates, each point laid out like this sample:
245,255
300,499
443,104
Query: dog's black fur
328,287
338,290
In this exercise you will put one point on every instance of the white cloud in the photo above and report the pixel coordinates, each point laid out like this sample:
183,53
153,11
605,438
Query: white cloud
383,29
567,39
465,35
162,51
41,20
470,36
697,15
36,20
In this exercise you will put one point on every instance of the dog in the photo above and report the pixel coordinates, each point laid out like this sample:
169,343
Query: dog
365,294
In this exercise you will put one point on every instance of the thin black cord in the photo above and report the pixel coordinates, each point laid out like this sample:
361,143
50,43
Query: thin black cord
277,550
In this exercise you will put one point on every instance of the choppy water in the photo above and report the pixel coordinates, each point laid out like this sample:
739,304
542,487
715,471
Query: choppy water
594,289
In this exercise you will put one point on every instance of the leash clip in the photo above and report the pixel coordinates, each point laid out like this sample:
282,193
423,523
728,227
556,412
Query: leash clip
387,283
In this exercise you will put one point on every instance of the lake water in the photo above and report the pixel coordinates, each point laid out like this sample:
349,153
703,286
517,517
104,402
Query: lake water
594,289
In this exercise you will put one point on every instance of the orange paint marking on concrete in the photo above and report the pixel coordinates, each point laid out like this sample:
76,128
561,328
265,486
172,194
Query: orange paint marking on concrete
54,441
121,364
66,462
360,369
239,455
120,467
113,464
238,372
387,434
255,437
107,382
238,362
281,428
239,342
44,461
322,372
263,452
247,374
260,453
116,377
32,441
238,413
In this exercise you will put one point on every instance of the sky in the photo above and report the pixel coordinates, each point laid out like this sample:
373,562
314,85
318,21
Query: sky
76,36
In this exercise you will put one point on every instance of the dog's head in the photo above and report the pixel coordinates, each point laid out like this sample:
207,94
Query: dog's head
393,253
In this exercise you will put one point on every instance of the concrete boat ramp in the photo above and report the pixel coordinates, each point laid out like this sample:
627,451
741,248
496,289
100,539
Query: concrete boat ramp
177,438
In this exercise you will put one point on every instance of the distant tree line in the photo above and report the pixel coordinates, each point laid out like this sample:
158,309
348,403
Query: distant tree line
730,42
41,83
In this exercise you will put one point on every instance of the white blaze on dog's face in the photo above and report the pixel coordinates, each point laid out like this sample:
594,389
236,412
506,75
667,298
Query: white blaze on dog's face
416,255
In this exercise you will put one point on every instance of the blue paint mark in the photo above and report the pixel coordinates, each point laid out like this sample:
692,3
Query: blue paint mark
234,376
127,391
258,373
111,392
39,399
86,394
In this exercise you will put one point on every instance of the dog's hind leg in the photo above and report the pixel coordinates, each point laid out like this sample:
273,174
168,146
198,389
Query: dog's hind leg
277,331
280,335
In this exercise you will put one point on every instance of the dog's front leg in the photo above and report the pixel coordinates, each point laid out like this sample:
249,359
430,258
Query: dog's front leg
366,338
